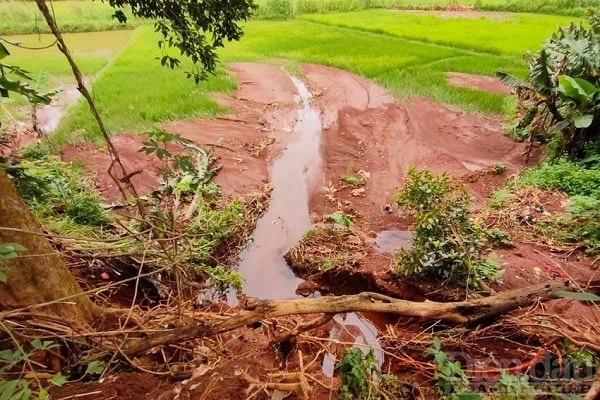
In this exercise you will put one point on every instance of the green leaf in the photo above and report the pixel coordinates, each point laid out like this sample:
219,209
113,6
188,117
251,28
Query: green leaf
583,121
94,368
577,295
43,345
339,219
58,379
3,51
9,249
468,396
579,90
512,81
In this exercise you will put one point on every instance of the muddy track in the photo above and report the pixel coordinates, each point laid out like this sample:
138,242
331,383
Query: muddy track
366,129
363,128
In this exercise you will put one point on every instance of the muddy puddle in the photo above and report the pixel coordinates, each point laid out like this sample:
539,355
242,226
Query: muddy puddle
265,272
50,115
262,265
390,241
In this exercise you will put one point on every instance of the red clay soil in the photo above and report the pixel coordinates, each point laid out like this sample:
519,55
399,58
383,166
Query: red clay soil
364,129
477,82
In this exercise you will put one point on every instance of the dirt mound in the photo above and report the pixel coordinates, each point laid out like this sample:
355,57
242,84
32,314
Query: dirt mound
369,130
477,82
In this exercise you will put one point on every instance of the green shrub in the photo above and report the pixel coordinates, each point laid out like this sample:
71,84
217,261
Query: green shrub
362,379
84,209
448,242
580,224
566,176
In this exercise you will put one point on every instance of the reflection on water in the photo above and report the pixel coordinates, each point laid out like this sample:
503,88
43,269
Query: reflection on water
351,330
389,241
265,272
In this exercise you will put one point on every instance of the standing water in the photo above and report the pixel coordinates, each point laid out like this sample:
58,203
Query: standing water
265,272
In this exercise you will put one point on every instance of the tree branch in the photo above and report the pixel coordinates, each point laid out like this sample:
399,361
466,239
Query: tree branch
463,312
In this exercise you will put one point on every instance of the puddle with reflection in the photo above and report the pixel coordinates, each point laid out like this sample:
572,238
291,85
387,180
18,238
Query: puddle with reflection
265,272
262,266
352,329
50,115
389,241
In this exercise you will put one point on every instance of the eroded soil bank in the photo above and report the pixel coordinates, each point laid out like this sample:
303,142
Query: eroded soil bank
364,129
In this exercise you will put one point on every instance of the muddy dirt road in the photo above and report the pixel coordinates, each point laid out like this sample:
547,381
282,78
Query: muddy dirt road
360,129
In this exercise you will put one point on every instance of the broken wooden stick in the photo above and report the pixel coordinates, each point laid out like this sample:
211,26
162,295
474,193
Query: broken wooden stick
462,312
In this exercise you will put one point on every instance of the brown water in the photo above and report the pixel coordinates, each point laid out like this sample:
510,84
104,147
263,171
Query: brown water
50,115
389,241
265,272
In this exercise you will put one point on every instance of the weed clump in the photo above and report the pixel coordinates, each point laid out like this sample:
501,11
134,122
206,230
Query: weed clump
448,242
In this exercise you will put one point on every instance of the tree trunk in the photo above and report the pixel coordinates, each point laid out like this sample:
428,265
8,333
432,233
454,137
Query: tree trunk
37,279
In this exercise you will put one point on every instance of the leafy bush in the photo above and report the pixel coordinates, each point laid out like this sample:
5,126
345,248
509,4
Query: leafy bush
84,209
581,222
566,176
511,387
362,379
451,381
562,92
448,242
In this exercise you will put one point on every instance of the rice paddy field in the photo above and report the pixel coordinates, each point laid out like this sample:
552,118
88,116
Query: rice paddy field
405,46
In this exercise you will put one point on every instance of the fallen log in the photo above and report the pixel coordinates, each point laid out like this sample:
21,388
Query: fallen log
463,312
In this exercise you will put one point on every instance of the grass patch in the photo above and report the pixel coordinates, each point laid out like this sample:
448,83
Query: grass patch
136,92
281,9
92,51
513,36
72,16
403,67
521,206
565,176
59,194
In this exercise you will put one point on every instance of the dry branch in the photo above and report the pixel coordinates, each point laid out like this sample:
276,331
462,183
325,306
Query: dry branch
462,312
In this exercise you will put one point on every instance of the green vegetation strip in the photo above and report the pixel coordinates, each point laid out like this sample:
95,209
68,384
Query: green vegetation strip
72,16
402,66
505,34
135,92
281,9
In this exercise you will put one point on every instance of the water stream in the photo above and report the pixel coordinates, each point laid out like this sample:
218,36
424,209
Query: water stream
265,272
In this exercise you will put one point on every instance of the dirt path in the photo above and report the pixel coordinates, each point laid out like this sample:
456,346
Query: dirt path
364,128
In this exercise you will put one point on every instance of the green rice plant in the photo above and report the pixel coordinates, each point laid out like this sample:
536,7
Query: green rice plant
291,8
20,17
575,8
136,92
511,35
403,67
